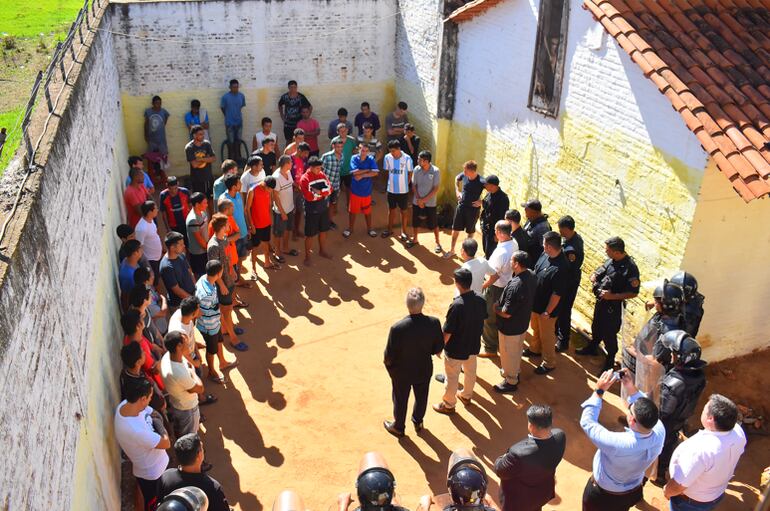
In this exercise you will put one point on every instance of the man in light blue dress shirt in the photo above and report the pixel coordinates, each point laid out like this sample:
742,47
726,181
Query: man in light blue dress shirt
622,457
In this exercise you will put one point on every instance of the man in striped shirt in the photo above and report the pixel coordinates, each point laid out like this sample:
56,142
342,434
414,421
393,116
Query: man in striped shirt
399,168
332,164
209,323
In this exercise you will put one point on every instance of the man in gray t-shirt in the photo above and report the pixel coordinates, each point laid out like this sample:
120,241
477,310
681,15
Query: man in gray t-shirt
197,224
155,119
426,180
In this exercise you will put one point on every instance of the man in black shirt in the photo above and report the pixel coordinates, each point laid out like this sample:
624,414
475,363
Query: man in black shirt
468,187
552,270
614,282
513,313
290,107
267,154
494,206
462,341
527,469
411,342
189,455
537,225
572,245
523,241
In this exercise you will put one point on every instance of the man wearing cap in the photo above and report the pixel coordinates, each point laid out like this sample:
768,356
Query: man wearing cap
537,225
494,206
616,281
175,206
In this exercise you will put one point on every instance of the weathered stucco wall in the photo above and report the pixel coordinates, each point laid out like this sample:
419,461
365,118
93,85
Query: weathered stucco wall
727,252
59,324
618,158
341,53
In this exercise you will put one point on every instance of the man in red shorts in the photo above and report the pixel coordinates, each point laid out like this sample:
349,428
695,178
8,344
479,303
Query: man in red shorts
259,217
363,167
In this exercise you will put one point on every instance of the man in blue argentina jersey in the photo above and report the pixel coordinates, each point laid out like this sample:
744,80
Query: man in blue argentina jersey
399,167
209,324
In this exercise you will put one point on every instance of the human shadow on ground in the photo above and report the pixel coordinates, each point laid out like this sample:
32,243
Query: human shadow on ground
435,471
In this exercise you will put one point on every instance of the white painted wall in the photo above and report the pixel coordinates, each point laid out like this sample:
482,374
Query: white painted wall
727,252
197,45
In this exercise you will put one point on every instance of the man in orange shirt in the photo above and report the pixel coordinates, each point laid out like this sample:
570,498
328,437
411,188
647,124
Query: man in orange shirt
135,195
259,218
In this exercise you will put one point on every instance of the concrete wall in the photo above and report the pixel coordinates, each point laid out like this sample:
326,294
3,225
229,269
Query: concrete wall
618,158
726,252
59,324
186,50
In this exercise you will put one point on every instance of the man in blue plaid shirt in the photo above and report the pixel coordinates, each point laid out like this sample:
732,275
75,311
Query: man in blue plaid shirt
332,165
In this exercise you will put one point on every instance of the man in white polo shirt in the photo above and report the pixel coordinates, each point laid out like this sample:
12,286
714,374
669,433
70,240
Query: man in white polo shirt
702,466
500,261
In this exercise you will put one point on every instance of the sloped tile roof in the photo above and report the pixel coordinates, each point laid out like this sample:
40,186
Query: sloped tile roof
711,59
471,9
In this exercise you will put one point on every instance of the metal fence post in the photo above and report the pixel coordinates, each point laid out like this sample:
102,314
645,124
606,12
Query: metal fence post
60,56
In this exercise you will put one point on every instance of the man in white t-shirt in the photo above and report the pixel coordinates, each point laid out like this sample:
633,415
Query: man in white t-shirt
267,131
146,232
702,466
478,266
399,167
182,385
140,433
254,174
500,261
283,206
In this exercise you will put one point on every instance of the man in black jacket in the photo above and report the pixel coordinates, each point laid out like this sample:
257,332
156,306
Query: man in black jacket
537,225
527,469
493,208
411,342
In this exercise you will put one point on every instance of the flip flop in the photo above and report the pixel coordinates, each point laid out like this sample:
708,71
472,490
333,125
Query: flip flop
346,233
385,233
239,331
217,379
241,346
438,249
272,267
373,233
403,237
280,259
293,252
210,399
409,243
241,305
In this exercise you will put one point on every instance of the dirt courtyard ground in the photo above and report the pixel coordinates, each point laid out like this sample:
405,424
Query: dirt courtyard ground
309,397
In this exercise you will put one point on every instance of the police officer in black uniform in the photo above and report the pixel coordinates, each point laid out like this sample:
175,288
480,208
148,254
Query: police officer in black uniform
680,390
693,301
616,281
494,206
668,302
524,242
572,246
375,486
466,484
537,225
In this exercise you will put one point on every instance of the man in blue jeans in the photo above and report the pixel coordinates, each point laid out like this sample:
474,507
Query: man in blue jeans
231,105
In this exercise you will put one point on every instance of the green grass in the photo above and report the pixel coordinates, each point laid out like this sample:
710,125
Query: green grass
8,121
24,21
29,18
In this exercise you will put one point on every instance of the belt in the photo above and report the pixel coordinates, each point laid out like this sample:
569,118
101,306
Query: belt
689,499
593,481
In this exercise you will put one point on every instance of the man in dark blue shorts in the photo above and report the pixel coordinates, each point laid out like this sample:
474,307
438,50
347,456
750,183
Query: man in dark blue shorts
469,186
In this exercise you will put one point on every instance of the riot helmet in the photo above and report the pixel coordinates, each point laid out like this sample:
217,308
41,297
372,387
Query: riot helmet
682,344
288,500
188,498
375,485
687,282
670,297
466,480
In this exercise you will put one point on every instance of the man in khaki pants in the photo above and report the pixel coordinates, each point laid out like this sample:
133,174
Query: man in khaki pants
513,312
552,271
462,341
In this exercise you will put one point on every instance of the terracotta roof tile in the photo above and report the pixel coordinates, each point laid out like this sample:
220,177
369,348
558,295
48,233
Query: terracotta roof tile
711,59
471,9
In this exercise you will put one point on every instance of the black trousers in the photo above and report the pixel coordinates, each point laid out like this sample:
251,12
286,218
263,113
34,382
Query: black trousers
606,325
564,320
401,390
669,444
596,499
488,242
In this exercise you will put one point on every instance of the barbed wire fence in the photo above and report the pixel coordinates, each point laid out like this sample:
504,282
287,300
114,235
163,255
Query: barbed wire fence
49,87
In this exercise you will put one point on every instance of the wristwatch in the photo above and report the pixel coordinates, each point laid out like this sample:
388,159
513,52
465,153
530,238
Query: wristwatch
599,392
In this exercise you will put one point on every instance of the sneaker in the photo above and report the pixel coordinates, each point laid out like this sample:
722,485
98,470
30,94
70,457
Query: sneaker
561,348
529,353
506,388
438,249
444,409
587,351
441,378
542,369
333,226
418,427
346,233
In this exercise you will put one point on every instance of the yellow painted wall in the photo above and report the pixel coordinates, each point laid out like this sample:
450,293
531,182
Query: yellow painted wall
727,252
97,448
326,99
612,183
